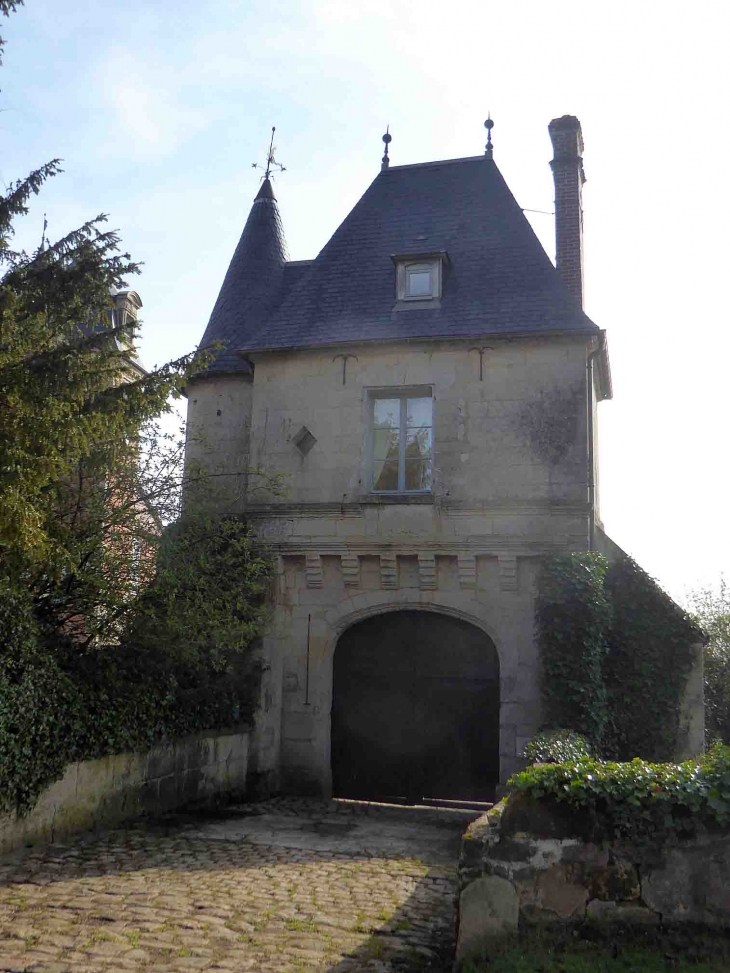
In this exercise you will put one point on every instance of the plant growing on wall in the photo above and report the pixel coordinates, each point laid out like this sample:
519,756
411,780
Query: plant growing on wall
649,659
646,803
615,653
710,608
573,614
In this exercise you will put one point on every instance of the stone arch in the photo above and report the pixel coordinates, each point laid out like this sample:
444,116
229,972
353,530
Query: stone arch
415,705
455,605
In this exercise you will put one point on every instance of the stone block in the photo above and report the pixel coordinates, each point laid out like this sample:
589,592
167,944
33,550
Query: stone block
692,884
488,910
149,796
160,761
239,747
618,881
115,807
223,747
95,778
130,769
192,753
169,792
630,913
551,894
236,772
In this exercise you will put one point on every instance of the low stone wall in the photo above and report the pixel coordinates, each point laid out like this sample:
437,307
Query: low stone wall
102,793
507,879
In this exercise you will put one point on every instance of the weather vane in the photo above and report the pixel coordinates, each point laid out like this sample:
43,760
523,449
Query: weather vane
270,160
489,125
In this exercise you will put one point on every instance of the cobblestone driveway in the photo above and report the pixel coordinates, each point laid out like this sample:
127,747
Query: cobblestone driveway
276,887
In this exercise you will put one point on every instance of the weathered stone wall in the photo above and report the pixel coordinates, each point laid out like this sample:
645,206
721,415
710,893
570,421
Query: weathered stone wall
510,484
101,793
515,434
218,442
506,879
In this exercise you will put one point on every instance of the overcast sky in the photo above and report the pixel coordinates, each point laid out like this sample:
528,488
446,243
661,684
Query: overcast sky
159,107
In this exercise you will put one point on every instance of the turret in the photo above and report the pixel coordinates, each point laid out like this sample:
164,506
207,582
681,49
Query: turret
219,399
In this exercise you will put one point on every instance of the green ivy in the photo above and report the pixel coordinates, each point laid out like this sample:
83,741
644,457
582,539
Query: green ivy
615,654
648,662
573,616
647,803
186,663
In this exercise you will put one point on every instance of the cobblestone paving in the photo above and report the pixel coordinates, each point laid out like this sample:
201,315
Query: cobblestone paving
277,887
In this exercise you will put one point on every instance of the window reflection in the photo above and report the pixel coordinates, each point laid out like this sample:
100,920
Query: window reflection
402,441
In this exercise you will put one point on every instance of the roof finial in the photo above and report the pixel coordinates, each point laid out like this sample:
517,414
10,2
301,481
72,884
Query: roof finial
387,138
270,160
489,125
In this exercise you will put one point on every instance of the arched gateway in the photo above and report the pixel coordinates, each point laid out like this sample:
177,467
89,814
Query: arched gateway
415,709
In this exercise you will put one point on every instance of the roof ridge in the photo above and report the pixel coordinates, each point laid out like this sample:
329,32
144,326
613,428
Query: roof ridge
440,162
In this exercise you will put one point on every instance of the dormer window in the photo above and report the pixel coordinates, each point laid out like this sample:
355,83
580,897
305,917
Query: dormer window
418,278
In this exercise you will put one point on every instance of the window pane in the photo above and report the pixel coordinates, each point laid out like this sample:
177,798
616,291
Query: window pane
386,413
385,474
419,412
419,283
385,444
418,443
418,474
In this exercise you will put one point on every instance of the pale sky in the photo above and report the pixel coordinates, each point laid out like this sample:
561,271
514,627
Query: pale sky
159,107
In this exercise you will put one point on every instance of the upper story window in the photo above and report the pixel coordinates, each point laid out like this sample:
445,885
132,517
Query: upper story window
419,277
401,441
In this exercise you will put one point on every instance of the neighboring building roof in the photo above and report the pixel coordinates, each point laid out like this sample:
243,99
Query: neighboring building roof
498,278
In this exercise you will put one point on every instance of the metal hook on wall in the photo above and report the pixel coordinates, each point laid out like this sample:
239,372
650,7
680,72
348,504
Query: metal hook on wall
481,359
344,365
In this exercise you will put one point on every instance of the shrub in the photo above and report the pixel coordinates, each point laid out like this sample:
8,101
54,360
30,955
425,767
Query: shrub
637,801
557,746
186,664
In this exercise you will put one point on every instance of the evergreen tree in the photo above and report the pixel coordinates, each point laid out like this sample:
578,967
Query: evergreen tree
76,510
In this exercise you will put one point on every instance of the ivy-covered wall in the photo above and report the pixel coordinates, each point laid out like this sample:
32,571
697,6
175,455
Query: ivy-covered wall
616,654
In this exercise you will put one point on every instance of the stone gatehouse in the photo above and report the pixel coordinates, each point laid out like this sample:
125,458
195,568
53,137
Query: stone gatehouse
428,388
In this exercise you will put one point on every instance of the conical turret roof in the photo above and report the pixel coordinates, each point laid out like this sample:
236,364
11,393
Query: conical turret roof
252,284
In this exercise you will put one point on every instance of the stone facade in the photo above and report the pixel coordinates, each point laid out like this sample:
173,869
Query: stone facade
509,486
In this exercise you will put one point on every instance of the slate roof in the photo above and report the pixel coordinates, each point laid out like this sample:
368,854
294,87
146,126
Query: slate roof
253,285
498,278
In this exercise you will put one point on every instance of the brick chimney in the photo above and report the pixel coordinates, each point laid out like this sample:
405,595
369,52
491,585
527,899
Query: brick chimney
567,166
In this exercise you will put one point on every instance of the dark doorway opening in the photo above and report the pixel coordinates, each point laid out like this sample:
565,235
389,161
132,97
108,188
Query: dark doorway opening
415,710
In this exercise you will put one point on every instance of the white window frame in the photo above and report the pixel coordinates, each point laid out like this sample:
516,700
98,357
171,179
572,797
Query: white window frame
403,394
433,267
406,264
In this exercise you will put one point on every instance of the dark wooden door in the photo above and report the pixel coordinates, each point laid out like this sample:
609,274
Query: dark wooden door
415,710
